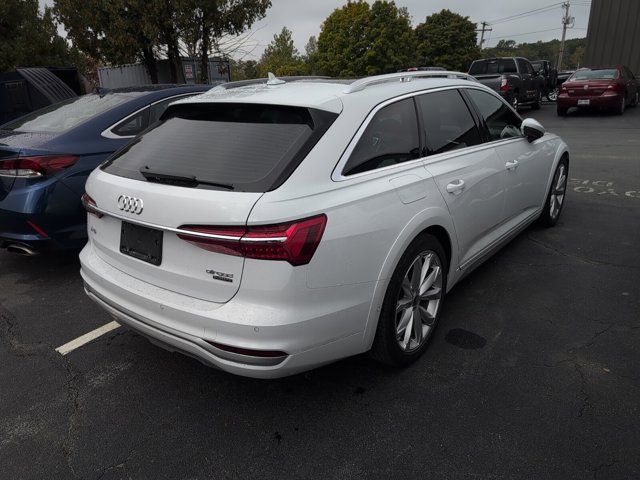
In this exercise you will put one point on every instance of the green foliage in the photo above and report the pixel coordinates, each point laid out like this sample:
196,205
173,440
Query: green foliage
30,39
359,39
573,51
448,40
244,70
124,31
281,57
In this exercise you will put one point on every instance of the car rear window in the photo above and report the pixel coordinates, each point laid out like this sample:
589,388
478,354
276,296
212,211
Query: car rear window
241,147
501,65
605,74
63,116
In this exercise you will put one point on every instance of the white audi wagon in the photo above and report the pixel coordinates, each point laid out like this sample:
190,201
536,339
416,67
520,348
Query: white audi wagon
271,227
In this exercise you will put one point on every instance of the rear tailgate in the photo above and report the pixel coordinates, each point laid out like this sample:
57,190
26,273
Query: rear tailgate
183,267
492,81
203,167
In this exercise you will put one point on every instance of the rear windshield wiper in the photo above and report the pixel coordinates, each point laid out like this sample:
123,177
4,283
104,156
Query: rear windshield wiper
179,180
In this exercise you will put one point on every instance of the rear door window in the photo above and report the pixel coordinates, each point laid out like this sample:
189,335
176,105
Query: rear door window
242,147
501,121
447,122
390,138
493,66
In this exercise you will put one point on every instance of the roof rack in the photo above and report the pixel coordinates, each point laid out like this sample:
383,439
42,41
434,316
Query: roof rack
363,83
260,81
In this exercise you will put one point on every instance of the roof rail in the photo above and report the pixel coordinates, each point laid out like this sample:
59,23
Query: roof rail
363,83
259,81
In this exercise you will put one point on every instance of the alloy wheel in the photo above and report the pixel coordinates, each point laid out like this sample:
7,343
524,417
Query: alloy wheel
558,190
553,95
418,301
515,104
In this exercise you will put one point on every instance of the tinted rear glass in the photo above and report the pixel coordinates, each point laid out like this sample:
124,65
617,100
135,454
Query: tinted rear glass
65,115
503,65
251,148
608,74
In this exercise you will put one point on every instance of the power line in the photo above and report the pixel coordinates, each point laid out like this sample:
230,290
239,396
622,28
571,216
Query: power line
518,16
528,33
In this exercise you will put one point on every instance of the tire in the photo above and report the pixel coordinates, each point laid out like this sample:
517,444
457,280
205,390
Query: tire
552,96
393,345
562,112
557,195
620,109
538,103
636,100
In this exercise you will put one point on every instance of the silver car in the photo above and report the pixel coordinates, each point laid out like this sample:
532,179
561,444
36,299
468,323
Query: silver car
269,228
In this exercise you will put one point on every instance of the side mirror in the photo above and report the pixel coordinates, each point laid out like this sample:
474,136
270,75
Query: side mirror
532,129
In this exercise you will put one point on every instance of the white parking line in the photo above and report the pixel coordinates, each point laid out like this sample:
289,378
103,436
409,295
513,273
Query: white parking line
86,338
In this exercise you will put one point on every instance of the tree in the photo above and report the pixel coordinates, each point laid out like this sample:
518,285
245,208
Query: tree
244,70
281,57
359,39
122,31
203,22
29,38
311,55
448,40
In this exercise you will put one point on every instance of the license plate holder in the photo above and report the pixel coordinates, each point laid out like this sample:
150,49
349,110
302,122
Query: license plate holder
140,242
584,102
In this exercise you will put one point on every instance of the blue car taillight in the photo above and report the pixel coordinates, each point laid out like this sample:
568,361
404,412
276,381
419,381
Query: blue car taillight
35,166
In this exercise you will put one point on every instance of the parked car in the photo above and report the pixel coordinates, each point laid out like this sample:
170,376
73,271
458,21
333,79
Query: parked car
269,229
550,77
47,155
611,88
514,78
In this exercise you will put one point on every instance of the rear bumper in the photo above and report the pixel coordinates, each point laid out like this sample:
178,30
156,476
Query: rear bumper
41,232
312,333
597,102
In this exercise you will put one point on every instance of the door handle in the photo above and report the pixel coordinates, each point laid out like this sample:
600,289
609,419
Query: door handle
511,165
455,187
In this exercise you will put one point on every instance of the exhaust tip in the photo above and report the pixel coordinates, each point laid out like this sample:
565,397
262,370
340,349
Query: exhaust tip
21,249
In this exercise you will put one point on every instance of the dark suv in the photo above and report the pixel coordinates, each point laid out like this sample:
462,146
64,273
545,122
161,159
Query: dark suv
512,77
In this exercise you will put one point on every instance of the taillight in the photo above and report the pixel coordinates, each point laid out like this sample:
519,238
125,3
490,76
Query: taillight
90,205
504,84
615,86
294,242
36,166
563,88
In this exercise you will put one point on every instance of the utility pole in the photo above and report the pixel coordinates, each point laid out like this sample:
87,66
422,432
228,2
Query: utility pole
482,30
566,21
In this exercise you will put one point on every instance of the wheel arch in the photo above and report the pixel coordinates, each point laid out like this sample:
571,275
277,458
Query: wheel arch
434,221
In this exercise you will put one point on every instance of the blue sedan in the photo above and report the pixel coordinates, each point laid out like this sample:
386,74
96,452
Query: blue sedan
47,155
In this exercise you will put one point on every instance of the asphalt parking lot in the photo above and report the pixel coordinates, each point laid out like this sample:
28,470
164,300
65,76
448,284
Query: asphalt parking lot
533,372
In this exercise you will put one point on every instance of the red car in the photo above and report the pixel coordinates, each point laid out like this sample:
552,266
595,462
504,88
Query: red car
613,88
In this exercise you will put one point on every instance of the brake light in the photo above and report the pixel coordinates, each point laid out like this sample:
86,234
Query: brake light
614,86
294,242
504,84
36,166
90,206
563,88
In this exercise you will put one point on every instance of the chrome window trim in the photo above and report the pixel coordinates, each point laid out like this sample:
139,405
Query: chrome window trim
107,133
337,175
182,231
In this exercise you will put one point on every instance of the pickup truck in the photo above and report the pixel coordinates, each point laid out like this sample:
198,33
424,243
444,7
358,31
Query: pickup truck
512,77
550,76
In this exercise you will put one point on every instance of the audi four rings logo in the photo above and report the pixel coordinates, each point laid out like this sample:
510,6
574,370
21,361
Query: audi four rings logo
130,204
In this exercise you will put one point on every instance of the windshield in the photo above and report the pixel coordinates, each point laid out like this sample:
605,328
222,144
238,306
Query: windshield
502,65
608,74
63,116
244,147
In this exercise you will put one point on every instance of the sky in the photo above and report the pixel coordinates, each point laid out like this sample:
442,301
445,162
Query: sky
304,18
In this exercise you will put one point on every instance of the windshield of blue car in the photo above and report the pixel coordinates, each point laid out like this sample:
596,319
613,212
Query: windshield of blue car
605,74
63,116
